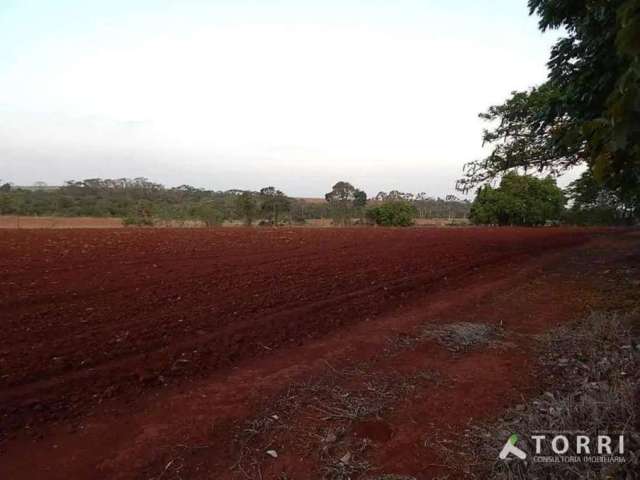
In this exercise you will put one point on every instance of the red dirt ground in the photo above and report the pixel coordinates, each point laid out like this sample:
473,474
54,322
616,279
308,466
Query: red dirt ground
143,353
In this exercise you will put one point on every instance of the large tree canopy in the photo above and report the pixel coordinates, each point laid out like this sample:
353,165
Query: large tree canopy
588,111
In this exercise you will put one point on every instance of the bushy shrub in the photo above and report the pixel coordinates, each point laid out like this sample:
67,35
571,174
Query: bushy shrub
209,214
137,221
140,215
519,200
392,214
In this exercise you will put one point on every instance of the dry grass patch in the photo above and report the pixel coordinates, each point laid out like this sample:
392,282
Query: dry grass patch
320,413
455,337
594,366
462,335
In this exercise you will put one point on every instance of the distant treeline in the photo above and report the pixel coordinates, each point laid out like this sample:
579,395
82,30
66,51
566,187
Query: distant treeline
140,201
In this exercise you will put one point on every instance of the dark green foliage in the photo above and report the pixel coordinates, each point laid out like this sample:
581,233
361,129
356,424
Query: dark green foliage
588,111
519,200
345,201
209,214
395,213
140,214
360,199
274,204
594,204
300,211
247,207
429,207
123,198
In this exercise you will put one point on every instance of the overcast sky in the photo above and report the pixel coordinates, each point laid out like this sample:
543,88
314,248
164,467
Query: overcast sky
243,94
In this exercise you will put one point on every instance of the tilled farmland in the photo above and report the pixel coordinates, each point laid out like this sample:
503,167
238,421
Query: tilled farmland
272,353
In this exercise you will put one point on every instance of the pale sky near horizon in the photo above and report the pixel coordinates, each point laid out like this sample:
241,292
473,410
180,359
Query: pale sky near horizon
242,94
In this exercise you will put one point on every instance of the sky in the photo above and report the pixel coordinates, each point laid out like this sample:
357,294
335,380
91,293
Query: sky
224,94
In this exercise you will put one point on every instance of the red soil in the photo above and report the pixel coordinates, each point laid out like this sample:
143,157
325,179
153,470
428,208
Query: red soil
121,346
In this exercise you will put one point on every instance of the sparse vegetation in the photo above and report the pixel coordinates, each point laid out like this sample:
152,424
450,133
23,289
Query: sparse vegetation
595,364
462,335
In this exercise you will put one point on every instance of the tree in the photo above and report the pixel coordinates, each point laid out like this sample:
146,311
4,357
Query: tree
210,214
591,204
343,199
360,200
274,203
140,214
396,195
395,213
380,197
588,111
247,207
519,200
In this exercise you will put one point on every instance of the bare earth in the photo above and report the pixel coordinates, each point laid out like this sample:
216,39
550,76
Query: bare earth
168,353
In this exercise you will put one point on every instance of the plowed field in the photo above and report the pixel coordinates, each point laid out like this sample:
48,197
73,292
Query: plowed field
140,353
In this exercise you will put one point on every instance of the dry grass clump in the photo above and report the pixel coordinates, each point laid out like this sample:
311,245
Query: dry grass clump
348,404
455,337
344,470
595,367
461,335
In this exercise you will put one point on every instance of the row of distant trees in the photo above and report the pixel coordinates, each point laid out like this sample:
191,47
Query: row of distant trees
346,203
141,201
517,200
